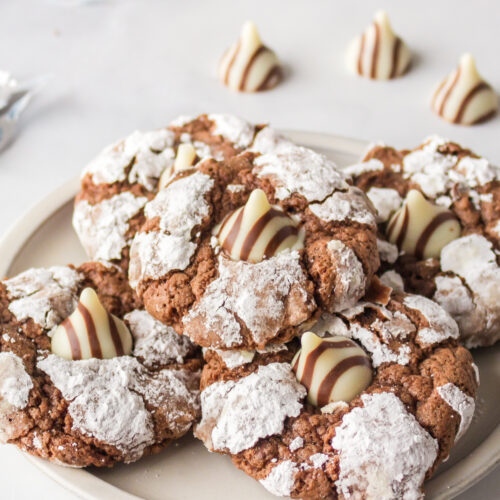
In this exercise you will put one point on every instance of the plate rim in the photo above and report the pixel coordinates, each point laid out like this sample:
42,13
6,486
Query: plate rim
483,459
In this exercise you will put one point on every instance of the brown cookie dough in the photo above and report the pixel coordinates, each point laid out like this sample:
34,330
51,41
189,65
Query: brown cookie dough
116,185
188,281
465,278
384,443
90,411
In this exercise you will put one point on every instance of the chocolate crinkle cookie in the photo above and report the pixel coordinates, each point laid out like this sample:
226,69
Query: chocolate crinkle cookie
116,185
366,407
87,376
439,228
248,251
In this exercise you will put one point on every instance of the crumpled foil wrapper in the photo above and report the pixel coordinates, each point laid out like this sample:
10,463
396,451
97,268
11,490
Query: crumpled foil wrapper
14,97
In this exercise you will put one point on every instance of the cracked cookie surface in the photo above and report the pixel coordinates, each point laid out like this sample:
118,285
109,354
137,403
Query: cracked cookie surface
186,280
117,184
465,278
91,411
383,444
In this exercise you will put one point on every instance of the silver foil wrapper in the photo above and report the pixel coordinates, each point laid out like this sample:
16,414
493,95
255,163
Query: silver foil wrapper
14,98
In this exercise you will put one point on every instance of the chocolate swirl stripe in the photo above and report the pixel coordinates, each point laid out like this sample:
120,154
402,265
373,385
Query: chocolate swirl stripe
248,67
284,233
115,336
230,239
360,55
328,383
274,75
395,57
404,227
231,63
430,230
376,44
76,351
91,332
95,346
468,98
313,356
449,90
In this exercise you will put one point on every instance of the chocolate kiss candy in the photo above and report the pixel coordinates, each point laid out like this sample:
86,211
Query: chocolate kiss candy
421,228
248,65
463,96
378,53
91,332
185,158
257,230
331,368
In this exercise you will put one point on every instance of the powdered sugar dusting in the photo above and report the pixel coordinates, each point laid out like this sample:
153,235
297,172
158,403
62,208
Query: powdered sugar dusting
107,399
345,205
47,295
260,307
436,173
296,444
268,140
154,342
15,383
384,452
463,404
393,280
385,200
387,251
102,227
154,254
232,128
300,170
441,325
350,276
149,153
356,170
236,414
181,206
281,479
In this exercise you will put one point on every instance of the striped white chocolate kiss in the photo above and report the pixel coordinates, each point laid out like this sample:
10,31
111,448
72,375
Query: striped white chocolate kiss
257,230
378,53
248,65
91,332
185,158
421,228
331,368
463,96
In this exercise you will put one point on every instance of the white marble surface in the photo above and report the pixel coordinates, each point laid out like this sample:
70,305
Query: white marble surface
120,65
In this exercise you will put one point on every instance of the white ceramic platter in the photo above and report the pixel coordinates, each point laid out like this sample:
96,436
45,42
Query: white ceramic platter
44,236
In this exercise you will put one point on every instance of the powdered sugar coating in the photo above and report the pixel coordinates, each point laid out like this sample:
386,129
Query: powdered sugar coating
149,153
393,280
350,277
388,252
102,227
379,352
269,140
463,404
383,450
155,254
15,383
441,325
46,295
154,342
232,128
228,299
345,205
436,173
296,444
107,399
371,165
281,479
295,169
236,414
181,206
385,200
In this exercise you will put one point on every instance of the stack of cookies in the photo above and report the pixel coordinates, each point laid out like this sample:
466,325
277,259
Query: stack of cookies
306,321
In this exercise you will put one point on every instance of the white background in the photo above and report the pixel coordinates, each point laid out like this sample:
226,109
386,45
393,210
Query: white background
120,65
